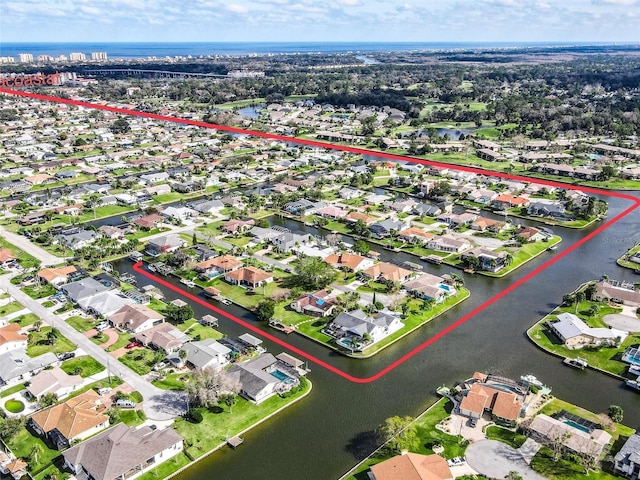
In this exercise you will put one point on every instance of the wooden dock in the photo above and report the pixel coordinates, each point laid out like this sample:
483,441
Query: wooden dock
234,442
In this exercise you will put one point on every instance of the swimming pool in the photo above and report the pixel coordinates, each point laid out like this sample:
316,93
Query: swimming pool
283,377
573,424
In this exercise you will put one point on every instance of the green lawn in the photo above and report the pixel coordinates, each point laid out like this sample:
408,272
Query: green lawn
38,343
428,435
10,308
166,468
24,259
140,360
21,446
12,390
172,381
39,291
197,331
123,339
623,261
218,425
87,365
26,320
131,418
81,324
544,464
505,436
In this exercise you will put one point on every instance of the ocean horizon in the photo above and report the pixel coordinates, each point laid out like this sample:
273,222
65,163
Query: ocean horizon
132,50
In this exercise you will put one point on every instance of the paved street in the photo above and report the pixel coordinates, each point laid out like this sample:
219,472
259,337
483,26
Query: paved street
158,404
23,243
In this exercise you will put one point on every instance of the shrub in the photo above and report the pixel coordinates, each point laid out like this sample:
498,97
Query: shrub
194,416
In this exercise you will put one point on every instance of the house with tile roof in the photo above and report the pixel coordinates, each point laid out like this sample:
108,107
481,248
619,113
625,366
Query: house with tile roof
412,466
122,452
251,277
11,338
504,406
429,287
218,265
349,261
75,419
388,272
56,276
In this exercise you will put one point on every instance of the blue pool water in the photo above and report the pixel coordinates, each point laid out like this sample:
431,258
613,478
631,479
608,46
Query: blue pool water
576,425
283,377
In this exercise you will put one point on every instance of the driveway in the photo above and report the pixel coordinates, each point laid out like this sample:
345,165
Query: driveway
158,404
496,459
622,322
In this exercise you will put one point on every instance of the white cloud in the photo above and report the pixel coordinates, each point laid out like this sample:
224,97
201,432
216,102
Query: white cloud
350,3
625,3
241,9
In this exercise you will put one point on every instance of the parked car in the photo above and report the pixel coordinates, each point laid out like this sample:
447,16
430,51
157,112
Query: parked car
66,356
101,327
160,366
473,422
455,461
125,403
133,345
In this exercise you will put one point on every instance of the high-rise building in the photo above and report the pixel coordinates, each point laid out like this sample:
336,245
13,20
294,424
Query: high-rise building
61,58
45,58
7,60
25,57
98,55
77,57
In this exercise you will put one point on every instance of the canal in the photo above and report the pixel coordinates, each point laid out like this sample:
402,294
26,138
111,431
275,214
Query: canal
326,433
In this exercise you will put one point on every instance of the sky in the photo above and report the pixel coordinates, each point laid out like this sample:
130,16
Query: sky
320,20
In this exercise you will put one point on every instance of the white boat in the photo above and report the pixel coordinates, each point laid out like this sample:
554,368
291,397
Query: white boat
633,384
531,380
577,362
552,248
188,283
634,369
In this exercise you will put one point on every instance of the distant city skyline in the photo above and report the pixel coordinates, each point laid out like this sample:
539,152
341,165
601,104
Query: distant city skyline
320,20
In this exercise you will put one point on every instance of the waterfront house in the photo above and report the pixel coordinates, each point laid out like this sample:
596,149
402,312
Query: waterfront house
104,303
530,234
149,222
627,460
75,419
482,196
207,353
448,243
488,260
429,287
87,287
415,235
591,442
317,304
77,240
218,265
165,244
574,333
504,406
607,290
289,241
353,217
388,272
250,277
256,384
122,452
233,226
387,227
507,200
412,466
357,324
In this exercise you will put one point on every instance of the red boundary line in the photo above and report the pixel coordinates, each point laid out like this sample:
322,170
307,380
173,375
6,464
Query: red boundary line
137,267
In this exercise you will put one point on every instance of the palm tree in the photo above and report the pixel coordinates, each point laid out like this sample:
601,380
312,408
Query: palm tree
580,296
52,336
37,324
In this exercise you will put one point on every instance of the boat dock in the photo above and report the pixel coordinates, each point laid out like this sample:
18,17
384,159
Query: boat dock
234,442
281,326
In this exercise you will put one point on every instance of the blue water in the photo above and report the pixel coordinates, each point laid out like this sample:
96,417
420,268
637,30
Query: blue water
196,49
